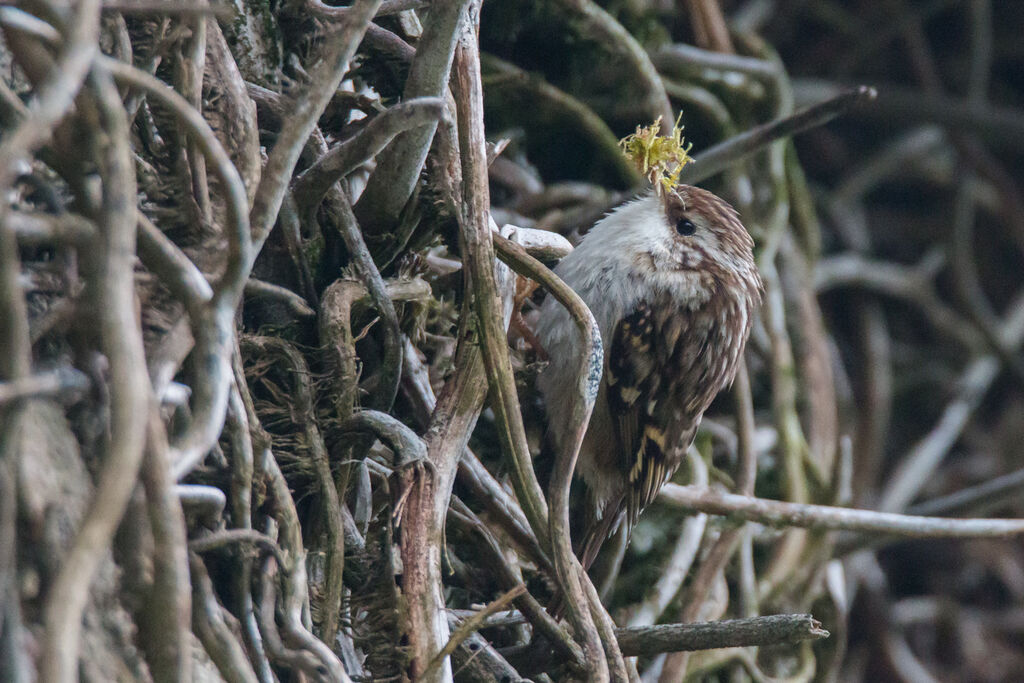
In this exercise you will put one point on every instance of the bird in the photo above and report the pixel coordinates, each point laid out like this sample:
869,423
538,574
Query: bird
673,285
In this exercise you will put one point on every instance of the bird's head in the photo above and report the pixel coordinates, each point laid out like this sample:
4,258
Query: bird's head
687,241
701,231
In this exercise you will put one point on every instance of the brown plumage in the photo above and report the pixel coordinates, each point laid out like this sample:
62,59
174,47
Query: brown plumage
673,285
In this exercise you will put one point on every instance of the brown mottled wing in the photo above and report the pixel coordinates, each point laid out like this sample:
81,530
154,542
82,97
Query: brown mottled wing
643,398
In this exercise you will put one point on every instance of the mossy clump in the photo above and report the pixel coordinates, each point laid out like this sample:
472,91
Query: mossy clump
659,158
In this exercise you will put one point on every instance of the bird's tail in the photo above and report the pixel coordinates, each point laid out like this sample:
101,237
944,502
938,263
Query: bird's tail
599,531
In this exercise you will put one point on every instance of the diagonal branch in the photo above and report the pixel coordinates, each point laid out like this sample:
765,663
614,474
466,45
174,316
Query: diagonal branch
724,154
312,184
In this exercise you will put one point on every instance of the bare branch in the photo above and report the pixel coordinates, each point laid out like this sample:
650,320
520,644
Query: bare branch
391,366
471,625
597,24
917,466
1000,124
779,513
721,156
131,394
312,184
267,290
399,165
305,111
215,635
754,632
63,382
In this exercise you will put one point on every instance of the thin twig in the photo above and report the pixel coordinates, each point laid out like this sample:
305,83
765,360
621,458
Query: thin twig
916,468
543,623
471,625
913,284
303,402
213,329
680,561
570,573
312,184
208,623
1002,125
975,500
711,567
682,61
390,372
243,460
471,472
339,48
196,7
15,369
176,270
268,290
823,517
233,192
165,620
476,659
422,524
478,257
387,7
188,77
34,229
55,95
721,156
407,446
299,660
229,537
535,88
338,342
209,499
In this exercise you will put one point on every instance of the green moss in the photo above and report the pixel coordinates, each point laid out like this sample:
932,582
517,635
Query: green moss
314,251
659,158
255,40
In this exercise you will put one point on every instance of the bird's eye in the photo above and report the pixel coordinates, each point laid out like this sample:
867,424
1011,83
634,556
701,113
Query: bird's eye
685,227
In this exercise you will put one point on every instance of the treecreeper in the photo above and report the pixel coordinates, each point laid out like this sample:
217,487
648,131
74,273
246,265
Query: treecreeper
672,282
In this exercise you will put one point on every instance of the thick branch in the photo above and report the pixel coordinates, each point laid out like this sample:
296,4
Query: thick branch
130,391
399,166
777,629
